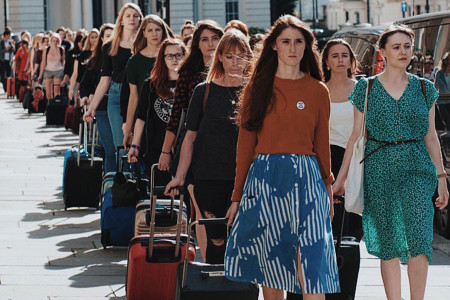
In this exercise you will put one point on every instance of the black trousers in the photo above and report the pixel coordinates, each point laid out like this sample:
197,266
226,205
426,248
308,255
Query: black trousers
213,199
5,72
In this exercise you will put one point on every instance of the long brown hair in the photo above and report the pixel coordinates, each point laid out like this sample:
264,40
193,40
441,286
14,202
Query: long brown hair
95,62
140,42
260,87
118,29
87,44
160,73
194,62
325,52
232,39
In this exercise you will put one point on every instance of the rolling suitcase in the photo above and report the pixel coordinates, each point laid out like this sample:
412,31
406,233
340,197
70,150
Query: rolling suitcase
348,260
116,222
153,259
83,179
199,281
10,87
68,117
165,215
56,109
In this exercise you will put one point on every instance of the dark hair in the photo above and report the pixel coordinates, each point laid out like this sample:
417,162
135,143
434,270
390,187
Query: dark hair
160,73
239,25
188,24
326,49
194,62
391,30
6,32
255,39
260,87
78,39
95,62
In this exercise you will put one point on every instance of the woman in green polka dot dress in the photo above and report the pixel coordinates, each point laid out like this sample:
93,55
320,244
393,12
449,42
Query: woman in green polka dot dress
399,179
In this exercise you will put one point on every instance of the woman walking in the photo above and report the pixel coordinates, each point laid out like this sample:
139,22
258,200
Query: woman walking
151,33
88,84
192,72
79,65
155,105
339,66
211,138
115,55
402,167
52,66
281,236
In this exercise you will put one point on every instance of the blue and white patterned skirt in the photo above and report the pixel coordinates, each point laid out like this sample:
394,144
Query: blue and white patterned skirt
284,207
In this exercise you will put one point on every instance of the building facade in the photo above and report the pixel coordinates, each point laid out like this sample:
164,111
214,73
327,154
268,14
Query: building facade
342,13
37,15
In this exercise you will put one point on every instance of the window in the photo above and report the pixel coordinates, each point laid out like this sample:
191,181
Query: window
357,17
231,10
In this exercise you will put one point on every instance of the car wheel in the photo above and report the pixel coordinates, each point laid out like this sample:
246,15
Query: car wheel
442,222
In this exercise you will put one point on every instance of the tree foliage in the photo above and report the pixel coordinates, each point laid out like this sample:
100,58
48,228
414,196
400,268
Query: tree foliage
281,7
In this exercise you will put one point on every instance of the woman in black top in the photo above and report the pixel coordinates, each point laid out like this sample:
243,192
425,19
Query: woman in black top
155,105
88,84
211,138
79,65
70,57
151,33
115,56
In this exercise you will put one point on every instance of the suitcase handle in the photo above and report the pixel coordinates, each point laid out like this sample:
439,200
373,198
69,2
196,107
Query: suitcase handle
210,221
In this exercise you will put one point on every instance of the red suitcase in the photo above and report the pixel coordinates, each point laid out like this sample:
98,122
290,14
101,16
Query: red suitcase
153,259
10,87
68,118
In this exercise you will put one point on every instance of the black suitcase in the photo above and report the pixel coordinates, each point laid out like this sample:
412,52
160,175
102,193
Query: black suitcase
83,178
348,260
199,281
56,109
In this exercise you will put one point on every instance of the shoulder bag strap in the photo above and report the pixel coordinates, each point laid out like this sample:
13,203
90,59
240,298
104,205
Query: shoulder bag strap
205,96
363,125
424,89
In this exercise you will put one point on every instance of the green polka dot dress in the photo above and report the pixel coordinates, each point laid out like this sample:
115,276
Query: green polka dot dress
399,180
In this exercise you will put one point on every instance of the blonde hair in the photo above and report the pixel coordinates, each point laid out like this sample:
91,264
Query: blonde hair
118,29
87,43
233,39
140,42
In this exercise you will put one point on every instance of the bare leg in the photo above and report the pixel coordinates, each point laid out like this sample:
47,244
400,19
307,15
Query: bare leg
200,231
272,294
56,88
417,274
300,277
390,272
48,88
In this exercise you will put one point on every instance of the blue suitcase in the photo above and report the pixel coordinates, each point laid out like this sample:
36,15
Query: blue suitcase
117,223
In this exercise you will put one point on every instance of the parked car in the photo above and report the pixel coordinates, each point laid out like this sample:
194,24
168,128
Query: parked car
431,43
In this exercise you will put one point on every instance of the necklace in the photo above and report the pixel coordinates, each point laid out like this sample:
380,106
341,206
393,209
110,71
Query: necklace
233,99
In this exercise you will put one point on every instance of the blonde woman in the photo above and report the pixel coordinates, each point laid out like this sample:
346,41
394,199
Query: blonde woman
151,33
52,66
115,56
79,65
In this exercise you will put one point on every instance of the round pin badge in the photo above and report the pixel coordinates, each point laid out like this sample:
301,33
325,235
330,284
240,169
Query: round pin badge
300,105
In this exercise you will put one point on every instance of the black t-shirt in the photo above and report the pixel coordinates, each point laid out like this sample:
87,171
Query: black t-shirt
214,156
155,111
70,58
114,66
137,70
67,45
82,59
89,83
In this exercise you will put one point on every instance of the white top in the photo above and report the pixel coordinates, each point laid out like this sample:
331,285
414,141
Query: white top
341,123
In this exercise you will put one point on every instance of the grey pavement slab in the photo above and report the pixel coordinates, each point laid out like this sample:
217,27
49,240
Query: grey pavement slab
49,253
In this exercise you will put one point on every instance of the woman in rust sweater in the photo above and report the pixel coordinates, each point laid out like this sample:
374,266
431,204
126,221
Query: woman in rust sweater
281,236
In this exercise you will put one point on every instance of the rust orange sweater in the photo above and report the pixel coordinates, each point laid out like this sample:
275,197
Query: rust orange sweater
298,123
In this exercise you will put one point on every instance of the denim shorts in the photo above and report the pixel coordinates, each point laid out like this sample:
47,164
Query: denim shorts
54,74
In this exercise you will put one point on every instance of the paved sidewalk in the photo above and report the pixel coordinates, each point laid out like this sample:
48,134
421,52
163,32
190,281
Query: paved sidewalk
48,253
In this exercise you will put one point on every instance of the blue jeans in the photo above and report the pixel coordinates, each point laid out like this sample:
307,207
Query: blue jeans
106,139
115,119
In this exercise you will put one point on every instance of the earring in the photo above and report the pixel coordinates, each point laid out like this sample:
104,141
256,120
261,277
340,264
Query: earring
328,67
